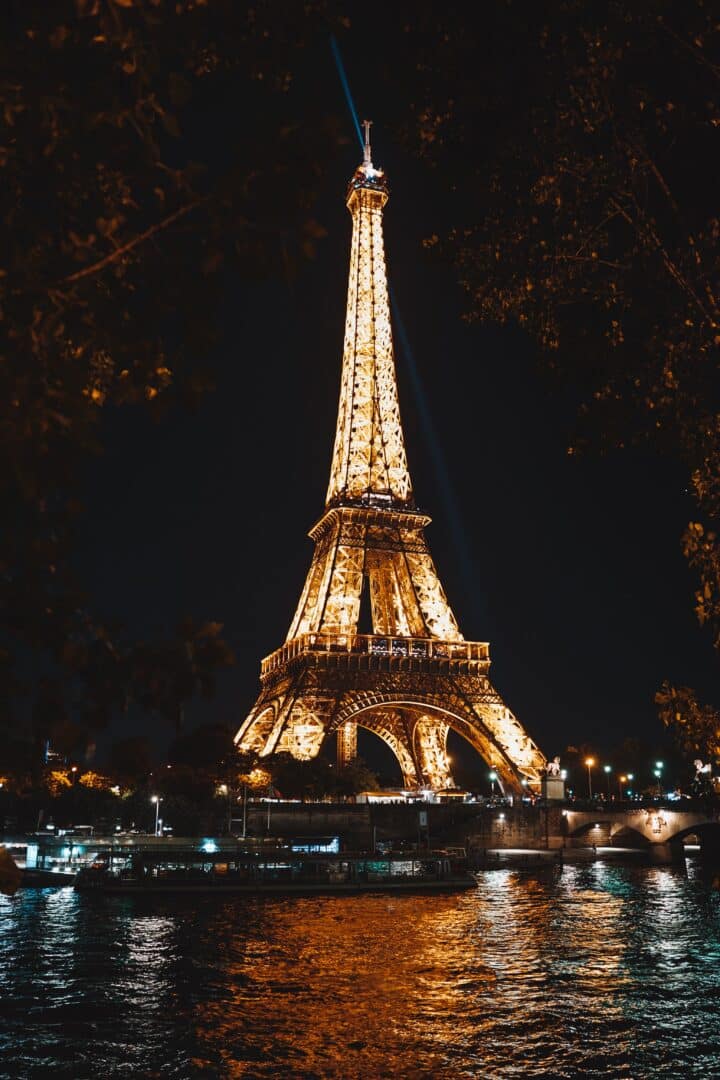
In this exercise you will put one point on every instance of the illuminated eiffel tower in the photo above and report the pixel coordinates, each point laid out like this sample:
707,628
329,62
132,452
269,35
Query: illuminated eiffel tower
415,677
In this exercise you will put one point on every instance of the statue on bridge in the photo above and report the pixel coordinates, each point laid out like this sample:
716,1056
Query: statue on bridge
553,784
702,781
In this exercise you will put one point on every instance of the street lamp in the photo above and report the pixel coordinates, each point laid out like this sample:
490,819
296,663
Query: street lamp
659,766
589,762
631,777
607,770
621,780
492,778
157,800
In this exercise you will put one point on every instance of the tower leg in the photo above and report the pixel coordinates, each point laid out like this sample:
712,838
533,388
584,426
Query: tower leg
430,739
346,744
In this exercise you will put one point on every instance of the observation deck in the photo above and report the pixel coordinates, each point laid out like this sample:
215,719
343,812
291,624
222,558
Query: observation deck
377,652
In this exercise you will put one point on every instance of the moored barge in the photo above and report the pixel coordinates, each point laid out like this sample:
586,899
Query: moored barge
225,867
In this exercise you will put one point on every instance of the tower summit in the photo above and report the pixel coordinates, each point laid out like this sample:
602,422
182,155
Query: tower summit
415,677
369,461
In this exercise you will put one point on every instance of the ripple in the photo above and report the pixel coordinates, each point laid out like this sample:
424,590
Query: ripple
597,971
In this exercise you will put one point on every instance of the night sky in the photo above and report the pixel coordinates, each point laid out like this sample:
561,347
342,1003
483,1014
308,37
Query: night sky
570,567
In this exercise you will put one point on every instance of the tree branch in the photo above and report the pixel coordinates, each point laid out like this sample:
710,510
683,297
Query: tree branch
131,244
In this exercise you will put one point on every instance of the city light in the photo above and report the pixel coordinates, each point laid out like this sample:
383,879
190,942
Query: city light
590,761
157,799
607,769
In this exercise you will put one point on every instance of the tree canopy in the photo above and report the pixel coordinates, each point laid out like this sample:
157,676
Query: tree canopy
587,141
149,149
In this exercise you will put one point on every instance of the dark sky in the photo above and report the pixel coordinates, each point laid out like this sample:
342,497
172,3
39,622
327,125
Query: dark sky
571,568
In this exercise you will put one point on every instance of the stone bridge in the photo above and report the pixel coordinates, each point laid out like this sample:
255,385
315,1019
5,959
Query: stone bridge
660,829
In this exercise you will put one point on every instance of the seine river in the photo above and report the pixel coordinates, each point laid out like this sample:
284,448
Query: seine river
592,970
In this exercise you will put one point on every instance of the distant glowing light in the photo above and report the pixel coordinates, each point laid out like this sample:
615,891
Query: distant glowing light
208,846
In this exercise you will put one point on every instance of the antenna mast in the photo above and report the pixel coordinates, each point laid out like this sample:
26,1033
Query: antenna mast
367,160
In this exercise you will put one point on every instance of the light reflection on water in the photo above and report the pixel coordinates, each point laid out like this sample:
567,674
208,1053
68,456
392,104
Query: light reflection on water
596,970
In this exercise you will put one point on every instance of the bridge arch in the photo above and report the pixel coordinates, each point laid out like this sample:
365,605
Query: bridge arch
707,833
646,825
620,833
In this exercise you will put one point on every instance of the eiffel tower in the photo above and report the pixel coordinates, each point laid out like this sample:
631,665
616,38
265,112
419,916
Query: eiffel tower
415,677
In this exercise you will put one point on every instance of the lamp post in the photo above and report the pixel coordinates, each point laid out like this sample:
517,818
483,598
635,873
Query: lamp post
621,780
631,777
589,762
659,766
157,800
607,769
492,777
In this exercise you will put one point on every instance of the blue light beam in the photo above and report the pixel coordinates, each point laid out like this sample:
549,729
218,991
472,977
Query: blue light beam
452,512
346,88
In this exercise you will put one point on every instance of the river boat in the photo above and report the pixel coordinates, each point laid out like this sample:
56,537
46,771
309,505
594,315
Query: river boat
221,867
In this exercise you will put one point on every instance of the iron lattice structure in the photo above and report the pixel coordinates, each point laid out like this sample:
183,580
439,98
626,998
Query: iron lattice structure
415,677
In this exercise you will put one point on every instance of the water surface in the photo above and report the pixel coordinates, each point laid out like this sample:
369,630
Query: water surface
597,970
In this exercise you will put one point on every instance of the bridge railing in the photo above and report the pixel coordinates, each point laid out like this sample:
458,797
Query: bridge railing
376,645
645,802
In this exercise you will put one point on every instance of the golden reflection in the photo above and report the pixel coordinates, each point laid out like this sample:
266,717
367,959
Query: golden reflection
348,984
422,986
